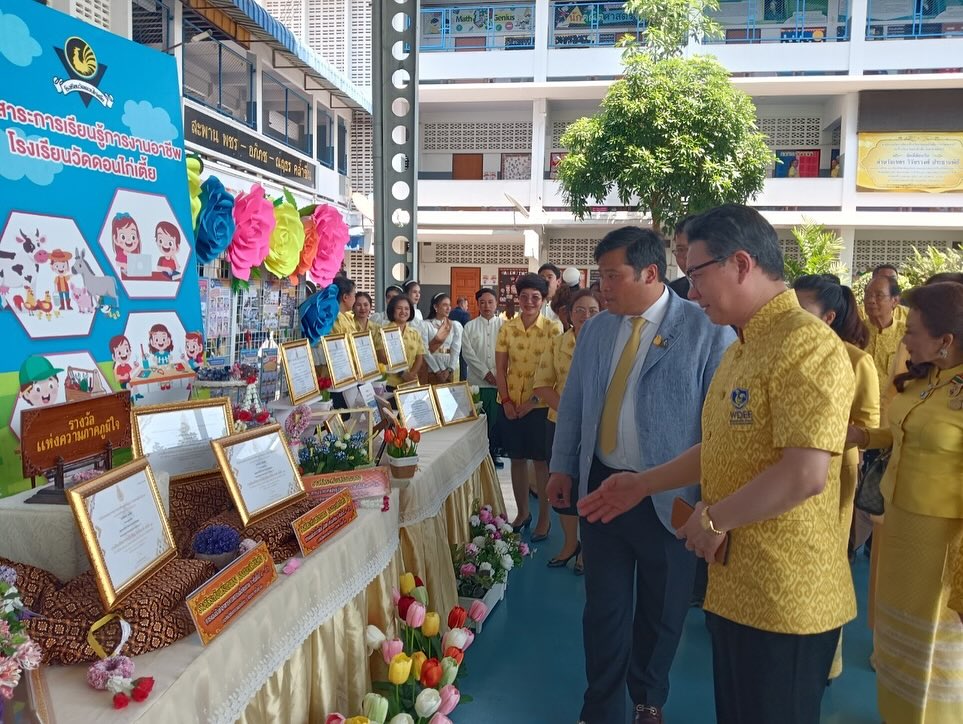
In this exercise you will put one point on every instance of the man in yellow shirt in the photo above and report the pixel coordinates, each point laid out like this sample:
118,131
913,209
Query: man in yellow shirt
773,430
886,320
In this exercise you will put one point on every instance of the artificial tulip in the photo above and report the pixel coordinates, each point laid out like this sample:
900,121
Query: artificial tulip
470,641
403,603
457,617
419,582
390,649
450,696
415,437
415,615
456,654
457,637
373,637
439,718
417,661
335,718
389,438
432,624
477,611
357,720
430,673
427,702
395,596
375,707
399,669
449,669
420,594
402,718
407,583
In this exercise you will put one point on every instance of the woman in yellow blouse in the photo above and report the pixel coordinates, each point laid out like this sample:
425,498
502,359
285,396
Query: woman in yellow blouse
362,314
918,638
834,303
399,312
549,382
344,324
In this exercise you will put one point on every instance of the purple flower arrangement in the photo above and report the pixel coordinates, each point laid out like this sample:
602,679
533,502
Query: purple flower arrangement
216,540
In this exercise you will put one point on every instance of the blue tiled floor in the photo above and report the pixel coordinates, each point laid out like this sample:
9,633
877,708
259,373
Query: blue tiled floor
527,665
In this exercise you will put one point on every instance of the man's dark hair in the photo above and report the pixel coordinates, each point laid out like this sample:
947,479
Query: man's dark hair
485,290
730,228
345,286
879,268
531,281
680,225
552,268
643,247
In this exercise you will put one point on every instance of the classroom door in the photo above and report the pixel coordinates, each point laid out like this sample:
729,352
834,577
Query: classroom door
465,281
467,166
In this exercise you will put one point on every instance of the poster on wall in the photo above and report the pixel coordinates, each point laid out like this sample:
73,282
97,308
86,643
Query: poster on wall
506,284
907,162
797,164
98,284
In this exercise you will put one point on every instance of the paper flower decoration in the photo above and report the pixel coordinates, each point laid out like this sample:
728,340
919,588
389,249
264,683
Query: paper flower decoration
287,238
332,238
194,167
215,224
309,250
254,219
318,313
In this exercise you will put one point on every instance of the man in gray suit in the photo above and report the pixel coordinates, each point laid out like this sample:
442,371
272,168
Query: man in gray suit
633,400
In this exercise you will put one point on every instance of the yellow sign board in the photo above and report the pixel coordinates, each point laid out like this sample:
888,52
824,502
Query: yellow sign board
909,162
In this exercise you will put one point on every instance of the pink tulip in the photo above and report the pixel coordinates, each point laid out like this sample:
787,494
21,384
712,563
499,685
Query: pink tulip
395,595
335,718
390,649
477,611
449,699
439,718
415,615
470,640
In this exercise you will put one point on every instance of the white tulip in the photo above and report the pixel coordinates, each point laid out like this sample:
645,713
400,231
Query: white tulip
402,718
427,702
457,637
373,637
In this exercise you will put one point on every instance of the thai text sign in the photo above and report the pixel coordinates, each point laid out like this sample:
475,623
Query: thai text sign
323,521
909,162
360,483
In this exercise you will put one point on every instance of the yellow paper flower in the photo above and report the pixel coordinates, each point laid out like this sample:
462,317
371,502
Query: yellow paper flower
287,239
194,187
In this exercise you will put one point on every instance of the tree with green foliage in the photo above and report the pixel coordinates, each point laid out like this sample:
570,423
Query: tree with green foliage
673,135
922,265
819,249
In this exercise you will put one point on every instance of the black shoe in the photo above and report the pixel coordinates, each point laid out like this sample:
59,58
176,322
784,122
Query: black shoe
647,715
562,562
524,524
539,537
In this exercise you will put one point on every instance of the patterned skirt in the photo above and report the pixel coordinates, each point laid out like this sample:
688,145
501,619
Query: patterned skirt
918,640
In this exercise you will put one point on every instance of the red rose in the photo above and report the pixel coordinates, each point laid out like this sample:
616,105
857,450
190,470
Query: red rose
244,415
262,416
120,701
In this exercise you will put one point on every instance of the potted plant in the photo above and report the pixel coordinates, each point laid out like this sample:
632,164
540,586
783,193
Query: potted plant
332,454
17,651
218,544
402,452
324,384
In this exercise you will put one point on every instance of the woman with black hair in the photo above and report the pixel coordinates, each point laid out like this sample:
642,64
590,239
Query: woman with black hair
413,290
380,318
344,324
399,313
363,304
442,338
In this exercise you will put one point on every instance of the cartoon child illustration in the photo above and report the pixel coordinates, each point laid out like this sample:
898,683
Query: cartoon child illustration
60,263
168,240
194,350
161,344
39,385
126,238
122,353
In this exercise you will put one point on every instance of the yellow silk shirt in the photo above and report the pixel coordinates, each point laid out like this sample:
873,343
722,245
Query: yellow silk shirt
883,346
414,346
787,384
554,365
864,412
956,591
525,348
344,324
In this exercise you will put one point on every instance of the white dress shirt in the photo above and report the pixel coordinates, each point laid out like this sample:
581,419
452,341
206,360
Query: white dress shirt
378,318
447,356
478,348
548,312
628,454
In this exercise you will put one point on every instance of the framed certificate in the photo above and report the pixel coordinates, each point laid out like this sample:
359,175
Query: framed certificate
260,472
408,385
454,402
337,358
123,527
417,408
299,371
394,346
365,357
175,437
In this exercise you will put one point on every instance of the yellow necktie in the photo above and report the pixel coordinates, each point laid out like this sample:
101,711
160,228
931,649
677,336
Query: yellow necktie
608,434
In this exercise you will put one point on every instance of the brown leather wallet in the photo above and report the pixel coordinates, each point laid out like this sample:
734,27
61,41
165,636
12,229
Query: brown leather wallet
681,511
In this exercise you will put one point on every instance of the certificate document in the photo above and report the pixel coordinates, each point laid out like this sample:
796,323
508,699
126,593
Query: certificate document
299,371
175,438
418,409
338,357
365,356
454,402
394,348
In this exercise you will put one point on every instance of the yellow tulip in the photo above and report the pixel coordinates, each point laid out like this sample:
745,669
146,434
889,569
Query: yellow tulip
431,625
417,659
407,583
399,669
358,720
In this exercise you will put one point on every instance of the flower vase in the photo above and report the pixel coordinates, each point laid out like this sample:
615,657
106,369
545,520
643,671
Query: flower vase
494,594
220,560
403,468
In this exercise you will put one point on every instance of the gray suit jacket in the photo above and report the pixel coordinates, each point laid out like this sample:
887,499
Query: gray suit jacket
668,410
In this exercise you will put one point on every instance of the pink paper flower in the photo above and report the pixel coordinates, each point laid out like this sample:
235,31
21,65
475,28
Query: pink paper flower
332,238
471,549
254,220
469,640
28,655
335,718
9,673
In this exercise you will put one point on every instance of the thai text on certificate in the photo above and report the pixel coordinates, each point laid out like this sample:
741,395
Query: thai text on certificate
263,472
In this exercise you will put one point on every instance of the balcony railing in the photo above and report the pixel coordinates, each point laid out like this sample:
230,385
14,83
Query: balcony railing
478,27
782,21
587,25
899,19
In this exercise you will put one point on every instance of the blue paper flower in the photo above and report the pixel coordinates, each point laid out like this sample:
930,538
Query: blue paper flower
216,539
215,223
340,456
318,313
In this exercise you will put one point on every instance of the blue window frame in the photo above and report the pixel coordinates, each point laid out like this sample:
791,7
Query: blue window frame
342,147
217,76
285,114
325,138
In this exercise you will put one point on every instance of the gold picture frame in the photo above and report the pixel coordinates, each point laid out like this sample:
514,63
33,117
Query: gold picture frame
417,408
109,546
185,419
455,403
393,344
340,364
264,454
365,363
297,357
408,385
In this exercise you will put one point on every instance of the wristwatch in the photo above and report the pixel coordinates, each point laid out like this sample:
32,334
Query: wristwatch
708,525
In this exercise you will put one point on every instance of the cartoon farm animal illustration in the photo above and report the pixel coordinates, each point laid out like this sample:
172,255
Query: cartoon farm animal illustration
28,303
45,307
33,246
85,303
17,269
98,286
60,263
39,385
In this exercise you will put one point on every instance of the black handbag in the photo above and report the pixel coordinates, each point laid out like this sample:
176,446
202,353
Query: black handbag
869,499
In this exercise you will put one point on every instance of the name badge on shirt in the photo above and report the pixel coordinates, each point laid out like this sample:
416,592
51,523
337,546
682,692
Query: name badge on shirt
740,414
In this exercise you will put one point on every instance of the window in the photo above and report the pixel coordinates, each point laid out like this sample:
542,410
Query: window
325,138
342,147
285,114
217,76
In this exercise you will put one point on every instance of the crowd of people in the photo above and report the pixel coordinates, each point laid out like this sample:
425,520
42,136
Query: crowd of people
719,426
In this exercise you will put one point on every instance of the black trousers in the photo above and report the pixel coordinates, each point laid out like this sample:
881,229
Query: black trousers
638,585
762,677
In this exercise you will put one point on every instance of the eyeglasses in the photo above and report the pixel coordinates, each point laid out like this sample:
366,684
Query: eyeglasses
717,260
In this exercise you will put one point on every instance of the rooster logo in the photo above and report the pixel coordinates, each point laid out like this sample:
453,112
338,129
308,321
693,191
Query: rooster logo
81,57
